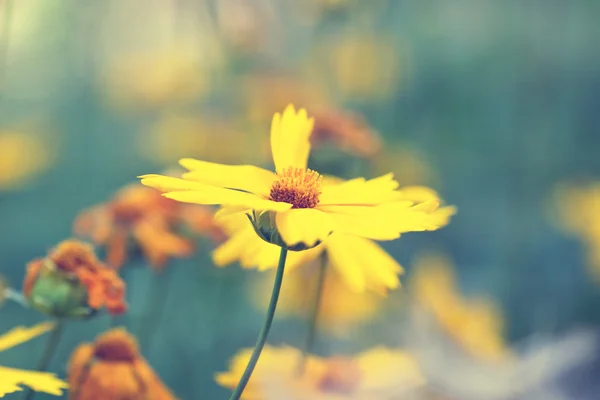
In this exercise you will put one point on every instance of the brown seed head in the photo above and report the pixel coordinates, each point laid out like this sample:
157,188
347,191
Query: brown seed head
297,186
116,345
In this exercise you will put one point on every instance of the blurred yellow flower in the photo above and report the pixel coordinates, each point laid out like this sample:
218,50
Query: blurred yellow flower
177,135
579,214
22,156
155,78
475,324
366,67
340,308
379,373
290,207
12,379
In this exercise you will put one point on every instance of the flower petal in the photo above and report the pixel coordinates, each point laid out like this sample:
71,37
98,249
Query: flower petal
169,183
303,225
21,334
370,222
290,138
46,382
228,197
361,192
363,263
242,177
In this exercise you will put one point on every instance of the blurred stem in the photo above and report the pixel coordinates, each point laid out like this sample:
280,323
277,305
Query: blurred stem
154,308
314,312
49,351
264,332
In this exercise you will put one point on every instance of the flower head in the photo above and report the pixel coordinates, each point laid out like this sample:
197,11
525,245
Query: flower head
12,379
72,282
151,222
378,373
298,212
113,368
360,263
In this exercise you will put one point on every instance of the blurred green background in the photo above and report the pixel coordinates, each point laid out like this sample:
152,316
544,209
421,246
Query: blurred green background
493,104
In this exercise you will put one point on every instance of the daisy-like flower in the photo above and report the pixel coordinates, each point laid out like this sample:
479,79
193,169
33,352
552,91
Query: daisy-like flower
475,324
379,373
360,263
139,218
113,368
11,380
291,207
72,282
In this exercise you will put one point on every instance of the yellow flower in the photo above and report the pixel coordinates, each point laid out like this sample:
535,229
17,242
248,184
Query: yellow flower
21,157
291,207
378,373
12,379
579,214
475,324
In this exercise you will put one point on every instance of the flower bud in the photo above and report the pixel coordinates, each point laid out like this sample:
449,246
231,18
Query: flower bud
266,228
71,282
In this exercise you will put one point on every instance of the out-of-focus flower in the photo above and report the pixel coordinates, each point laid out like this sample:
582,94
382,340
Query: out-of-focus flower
347,131
340,307
362,67
156,78
475,324
579,214
11,380
113,368
141,218
22,156
72,282
177,135
361,263
379,373
537,371
291,208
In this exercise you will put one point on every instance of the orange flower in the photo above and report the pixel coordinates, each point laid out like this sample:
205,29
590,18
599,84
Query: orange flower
113,368
348,131
150,220
71,280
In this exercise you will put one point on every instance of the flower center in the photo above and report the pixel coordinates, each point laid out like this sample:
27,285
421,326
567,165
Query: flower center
342,376
297,186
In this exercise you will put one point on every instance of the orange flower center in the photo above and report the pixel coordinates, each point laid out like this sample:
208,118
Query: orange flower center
70,255
116,345
297,186
342,376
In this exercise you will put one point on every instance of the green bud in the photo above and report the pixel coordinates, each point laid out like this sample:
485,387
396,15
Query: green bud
266,228
59,294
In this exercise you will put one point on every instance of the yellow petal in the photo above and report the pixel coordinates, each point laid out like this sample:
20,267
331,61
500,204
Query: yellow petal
228,197
169,183
233,249
362,263
361,192
21,334
12,379
241,177
370,222
290,138
389,369
303,225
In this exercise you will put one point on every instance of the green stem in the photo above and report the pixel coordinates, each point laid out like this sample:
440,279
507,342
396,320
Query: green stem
51,346
264,332
314,312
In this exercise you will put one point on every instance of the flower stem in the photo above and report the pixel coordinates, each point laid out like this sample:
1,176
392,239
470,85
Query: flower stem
314,312
264,332
51,346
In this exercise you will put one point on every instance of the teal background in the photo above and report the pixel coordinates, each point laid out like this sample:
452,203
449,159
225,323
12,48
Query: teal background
503,102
